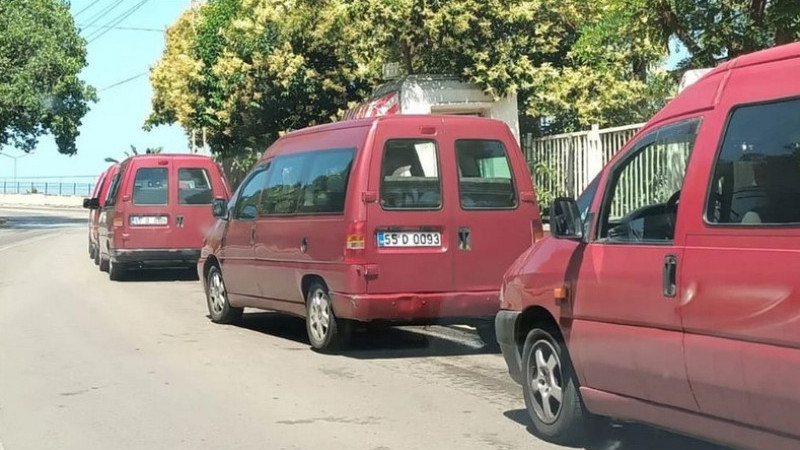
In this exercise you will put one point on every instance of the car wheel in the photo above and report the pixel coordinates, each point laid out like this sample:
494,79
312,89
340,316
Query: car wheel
91,251
325,331
488,335
97,256
116,271
103,264
219,308
551,391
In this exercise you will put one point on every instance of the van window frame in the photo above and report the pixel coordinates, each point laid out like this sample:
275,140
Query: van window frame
718,152
514,189
307,167
166,187
113,189
210,186
234,212
611,176
271,161
438,175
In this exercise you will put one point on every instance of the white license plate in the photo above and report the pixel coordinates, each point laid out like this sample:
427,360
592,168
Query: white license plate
148,220
410,239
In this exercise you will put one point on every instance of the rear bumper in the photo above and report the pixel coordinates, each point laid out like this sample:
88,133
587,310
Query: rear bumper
505,324
416,308
156,257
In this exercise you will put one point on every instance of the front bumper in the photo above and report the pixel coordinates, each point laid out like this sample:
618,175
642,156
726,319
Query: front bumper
156,257
416,308
505,324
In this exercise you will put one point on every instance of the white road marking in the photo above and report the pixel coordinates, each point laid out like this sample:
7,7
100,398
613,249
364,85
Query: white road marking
26,242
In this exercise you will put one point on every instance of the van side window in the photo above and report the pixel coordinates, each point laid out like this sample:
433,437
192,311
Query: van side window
249,194
410,175
324,185
194,187
282,190
641,201
111,196
484,175
150,186
757,173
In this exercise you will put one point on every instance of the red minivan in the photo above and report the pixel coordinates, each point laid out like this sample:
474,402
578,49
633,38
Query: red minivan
94,204
405,219
669,293
157,211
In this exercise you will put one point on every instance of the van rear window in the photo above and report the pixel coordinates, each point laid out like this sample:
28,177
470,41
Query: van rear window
150,186
484,175
410,175
194,187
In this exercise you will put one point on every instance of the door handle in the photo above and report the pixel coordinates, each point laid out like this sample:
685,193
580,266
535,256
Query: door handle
304,245
670,288
252,234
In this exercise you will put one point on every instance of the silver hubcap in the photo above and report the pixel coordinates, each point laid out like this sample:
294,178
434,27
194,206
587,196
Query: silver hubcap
216,293
546,382
319,315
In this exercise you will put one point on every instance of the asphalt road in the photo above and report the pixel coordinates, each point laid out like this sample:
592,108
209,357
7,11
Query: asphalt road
86,363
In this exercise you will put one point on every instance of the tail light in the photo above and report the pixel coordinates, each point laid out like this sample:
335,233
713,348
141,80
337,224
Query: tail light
118,222
355,242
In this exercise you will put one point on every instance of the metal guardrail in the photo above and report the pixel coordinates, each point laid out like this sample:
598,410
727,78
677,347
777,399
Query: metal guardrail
48,186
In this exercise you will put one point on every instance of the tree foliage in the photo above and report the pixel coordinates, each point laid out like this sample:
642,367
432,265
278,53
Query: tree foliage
249,70
41,55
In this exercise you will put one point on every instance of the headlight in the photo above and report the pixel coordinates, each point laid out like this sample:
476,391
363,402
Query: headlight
148,220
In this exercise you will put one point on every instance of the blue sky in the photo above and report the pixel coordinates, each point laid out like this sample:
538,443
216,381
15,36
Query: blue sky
115,121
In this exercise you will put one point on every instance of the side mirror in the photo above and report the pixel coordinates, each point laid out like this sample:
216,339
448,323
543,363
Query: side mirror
91,203
565,219
219,208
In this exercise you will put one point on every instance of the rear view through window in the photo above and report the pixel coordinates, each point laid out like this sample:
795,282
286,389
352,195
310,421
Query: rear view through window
484,175
757,174
194,187
150,186
410,175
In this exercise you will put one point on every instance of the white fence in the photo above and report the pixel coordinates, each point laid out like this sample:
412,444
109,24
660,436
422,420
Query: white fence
574,159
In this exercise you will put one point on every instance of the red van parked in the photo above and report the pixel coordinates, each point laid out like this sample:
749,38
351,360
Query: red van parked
408,219
669,293
94,204
158,210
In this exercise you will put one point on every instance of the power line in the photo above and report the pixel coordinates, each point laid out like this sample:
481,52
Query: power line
123,81
87,7
116,21
103,12
156,30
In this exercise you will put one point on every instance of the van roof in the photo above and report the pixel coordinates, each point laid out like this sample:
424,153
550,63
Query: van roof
168,155
367,122
707,91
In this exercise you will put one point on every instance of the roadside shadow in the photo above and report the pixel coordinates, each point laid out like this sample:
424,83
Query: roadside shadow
41,221
152,275
611,436
370,343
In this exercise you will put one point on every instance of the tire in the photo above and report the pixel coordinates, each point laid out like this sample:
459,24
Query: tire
91,251
325,331
565,422
219,308
116,271
488,335
97,256
103,264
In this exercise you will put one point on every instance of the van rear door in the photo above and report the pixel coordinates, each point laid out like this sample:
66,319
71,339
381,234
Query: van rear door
494,224
196,183
408,212
147,222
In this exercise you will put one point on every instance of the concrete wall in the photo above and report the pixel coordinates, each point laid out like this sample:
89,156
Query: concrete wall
41,200
437,95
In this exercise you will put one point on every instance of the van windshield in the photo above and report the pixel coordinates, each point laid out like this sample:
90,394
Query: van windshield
410,174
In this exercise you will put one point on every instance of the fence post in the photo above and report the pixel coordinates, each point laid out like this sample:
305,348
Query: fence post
594,154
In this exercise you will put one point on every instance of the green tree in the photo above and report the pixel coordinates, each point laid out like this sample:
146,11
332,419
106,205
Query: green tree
41,55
